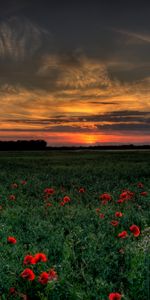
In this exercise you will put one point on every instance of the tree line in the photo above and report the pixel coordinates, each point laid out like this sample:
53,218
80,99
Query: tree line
23,145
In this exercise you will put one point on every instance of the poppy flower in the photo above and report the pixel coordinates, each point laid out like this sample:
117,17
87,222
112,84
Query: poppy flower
123,234
23,182
62,203
28,274
12,197
105,196
115,296
40,257
114,223
49,204
144,194
120,201
49,191
12,290
29,259
118,214
52,275
102,216
81,190
140,185
11,240
43,278
135,230
126,195
66,199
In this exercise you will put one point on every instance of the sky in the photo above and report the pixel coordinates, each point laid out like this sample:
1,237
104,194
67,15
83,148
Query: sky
75,72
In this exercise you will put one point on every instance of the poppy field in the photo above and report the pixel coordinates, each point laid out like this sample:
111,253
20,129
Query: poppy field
75,225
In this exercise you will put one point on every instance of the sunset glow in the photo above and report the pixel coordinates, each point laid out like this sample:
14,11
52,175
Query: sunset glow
71,85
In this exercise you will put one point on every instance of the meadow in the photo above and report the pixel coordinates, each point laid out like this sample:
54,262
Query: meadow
75,225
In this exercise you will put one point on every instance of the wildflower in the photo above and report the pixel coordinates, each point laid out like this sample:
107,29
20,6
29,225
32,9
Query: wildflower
12,290
29,259
140,185
66,199
135,230
144,194
12,197
28,274
115,296
118,214
49,204
101,216
62,203
43,278
23,182
52,275
120,201
40,257
11,240
126,195
81,190
49,191
123,234
105,197
114,223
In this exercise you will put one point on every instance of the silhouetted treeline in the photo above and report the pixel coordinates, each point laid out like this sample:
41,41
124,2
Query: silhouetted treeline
22,145
102,147
42,145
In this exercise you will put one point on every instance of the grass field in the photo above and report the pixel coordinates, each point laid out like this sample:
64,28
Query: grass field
87,258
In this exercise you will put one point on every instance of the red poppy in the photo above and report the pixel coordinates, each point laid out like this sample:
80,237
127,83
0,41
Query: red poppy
12,290
126,195
49,204
102,216
29,259
105,196
123,234
28,274
52,275
23,182
114,223
120,201
144,194
49,191
62,203
12,197
115,296
81,190
44,278
135,230
40,257
118,214
66,199
140,185
11,240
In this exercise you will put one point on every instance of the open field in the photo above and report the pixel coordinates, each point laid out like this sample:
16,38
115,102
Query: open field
76,233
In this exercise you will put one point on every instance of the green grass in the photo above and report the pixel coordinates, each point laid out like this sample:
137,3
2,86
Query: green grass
82,247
